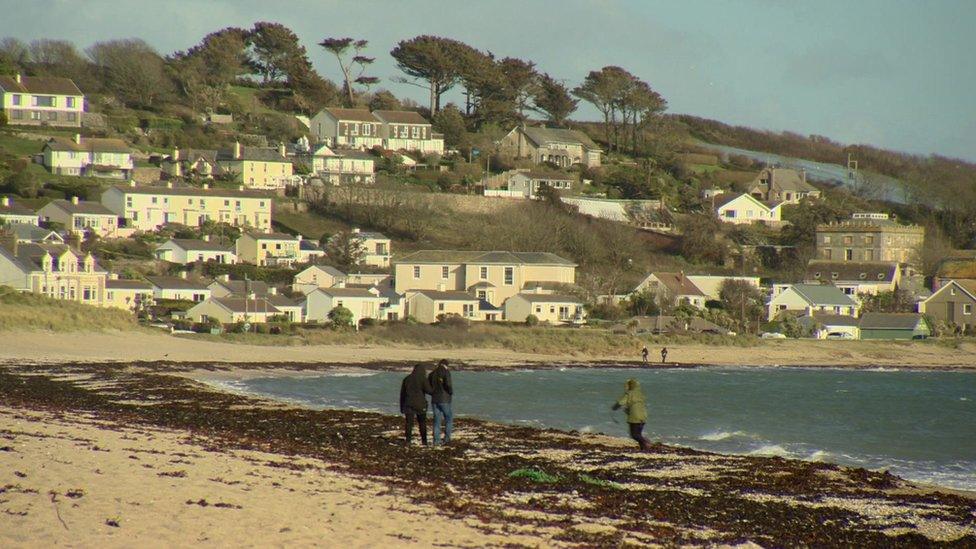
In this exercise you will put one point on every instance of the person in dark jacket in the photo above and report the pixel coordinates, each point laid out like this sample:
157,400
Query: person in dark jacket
440,399
635,406
413,401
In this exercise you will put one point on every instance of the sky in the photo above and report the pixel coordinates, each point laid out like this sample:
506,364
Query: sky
899,74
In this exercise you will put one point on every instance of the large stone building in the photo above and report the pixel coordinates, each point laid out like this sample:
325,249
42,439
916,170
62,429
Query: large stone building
869,239
558,146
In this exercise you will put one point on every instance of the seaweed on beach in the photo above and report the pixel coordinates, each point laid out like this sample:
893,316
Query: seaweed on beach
770,501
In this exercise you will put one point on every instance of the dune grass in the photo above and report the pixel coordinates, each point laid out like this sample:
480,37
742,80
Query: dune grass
24,311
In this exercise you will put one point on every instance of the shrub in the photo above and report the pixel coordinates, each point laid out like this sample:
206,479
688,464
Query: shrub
453,321
367,322
341,317
531,320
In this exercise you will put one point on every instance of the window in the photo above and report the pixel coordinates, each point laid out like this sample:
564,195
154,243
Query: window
367,129
53,115
261,204
445,271
354,129
35,115
967,309
468,310
484,273
482,294
17,115
155,200
952,291
849,254
70,102
729,214
264,246
226,202
833,276
509,276
538,308
44,101
868,255
415,132
869,239
848,239
416,272
826,239
440,306
16,99
87,294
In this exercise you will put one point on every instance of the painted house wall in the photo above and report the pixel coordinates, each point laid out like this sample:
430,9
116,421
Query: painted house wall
148,212
517,309
263,252
29,113
951,304
319,304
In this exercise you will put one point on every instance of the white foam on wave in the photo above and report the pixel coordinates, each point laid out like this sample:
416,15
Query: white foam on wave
819,455
771,450
587,429
724,435
351,374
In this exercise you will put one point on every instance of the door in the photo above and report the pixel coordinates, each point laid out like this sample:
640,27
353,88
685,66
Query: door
950,311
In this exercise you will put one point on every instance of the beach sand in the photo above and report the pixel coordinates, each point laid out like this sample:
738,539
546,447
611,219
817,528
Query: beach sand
70,479
46,347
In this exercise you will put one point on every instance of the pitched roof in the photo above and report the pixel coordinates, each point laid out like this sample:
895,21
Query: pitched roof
823,294
176,283
890,321
29,256
347,292
370,235
253,154
272,236
543,136
849,271
241,305
549,298
679,284
52,85
448,296
13,208
401,117
329,269
506,258
193,244
82,207
725,198
212,192
239,287
785,179
122,284
830,320
33,233
280,301
193,155
359,115
89,144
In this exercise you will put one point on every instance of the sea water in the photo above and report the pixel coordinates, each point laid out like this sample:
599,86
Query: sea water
920,425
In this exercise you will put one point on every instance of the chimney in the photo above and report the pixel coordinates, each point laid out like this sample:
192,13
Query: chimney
113,276
183,275
74,200
206,238
74,240
224,277
355,230
176,153
803,175
17,77
5,201
169,184
132,183
206,186
299,238
8,240
272,290
240,187
281,149
237,150
77,139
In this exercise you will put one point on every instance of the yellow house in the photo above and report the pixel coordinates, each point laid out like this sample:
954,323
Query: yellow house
53,270
429,306
491,276
88,157
267,249
362,302
81,217
376,248
315,277
551,308
130,295
41,101
15,214
228,310
257,167
147,208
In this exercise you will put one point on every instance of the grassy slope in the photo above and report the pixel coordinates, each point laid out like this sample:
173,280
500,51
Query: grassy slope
19,311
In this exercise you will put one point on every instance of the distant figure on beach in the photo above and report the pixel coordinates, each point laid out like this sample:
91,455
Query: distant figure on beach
440,400
633,404
413,401
644,353
664,355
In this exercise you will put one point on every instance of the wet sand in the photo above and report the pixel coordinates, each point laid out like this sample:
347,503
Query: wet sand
170,461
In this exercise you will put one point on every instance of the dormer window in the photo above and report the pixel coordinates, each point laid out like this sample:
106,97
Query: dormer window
833,276
880,276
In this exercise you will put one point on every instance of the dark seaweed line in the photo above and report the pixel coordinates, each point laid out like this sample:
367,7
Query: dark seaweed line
352,439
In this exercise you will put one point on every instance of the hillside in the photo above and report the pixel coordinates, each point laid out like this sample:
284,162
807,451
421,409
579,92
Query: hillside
24,311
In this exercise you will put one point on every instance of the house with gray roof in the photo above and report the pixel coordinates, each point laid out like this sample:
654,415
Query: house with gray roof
559,146
854,278
549,308
12,213
88,157
347,128
409,131
807,299
191,250
41,101
53,270
80,216
894,326
782,185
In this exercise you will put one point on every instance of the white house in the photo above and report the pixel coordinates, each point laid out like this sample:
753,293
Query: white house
82,217
343,167
744,208
854,278
675,288
15,214
229,310
185,251
822,325
317,276
147,208
812,298
551,308
41,101
409,131
363,303
88,156
178,288
348,128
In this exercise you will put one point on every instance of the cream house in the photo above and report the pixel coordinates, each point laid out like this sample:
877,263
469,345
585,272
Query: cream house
743,208
347,128
317,276
672,289
223,286
130,295
362,302
257,167
12,213
343,167
376,248
522,183
429,306
409,131
711,285
185,251
561,147
808,299
41,101
201,163
491,276
147,208
550,308
854,278
179,288
53,270
267,249
88,157
81,217
230,310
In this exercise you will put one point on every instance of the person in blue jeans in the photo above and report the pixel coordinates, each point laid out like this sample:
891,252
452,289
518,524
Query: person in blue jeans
440,398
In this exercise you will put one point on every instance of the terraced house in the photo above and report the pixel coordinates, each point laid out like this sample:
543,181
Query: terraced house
41,101
257,167
409,131
12,213
80,216
88,157
53,270
489,276
347,128
147,208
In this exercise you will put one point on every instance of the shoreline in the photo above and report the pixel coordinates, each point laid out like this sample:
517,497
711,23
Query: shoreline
603,491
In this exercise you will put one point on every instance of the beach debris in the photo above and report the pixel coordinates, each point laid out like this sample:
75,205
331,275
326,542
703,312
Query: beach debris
114,523
18,474
535,475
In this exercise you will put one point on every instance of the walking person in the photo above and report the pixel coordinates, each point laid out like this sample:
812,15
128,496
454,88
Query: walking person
644,353
440,399
636,409
664,355
413,402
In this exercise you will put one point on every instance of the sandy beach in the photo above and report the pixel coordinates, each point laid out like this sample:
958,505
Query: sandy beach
115,454
46,347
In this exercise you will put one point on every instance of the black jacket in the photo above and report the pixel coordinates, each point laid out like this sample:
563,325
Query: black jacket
413,391
440,384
